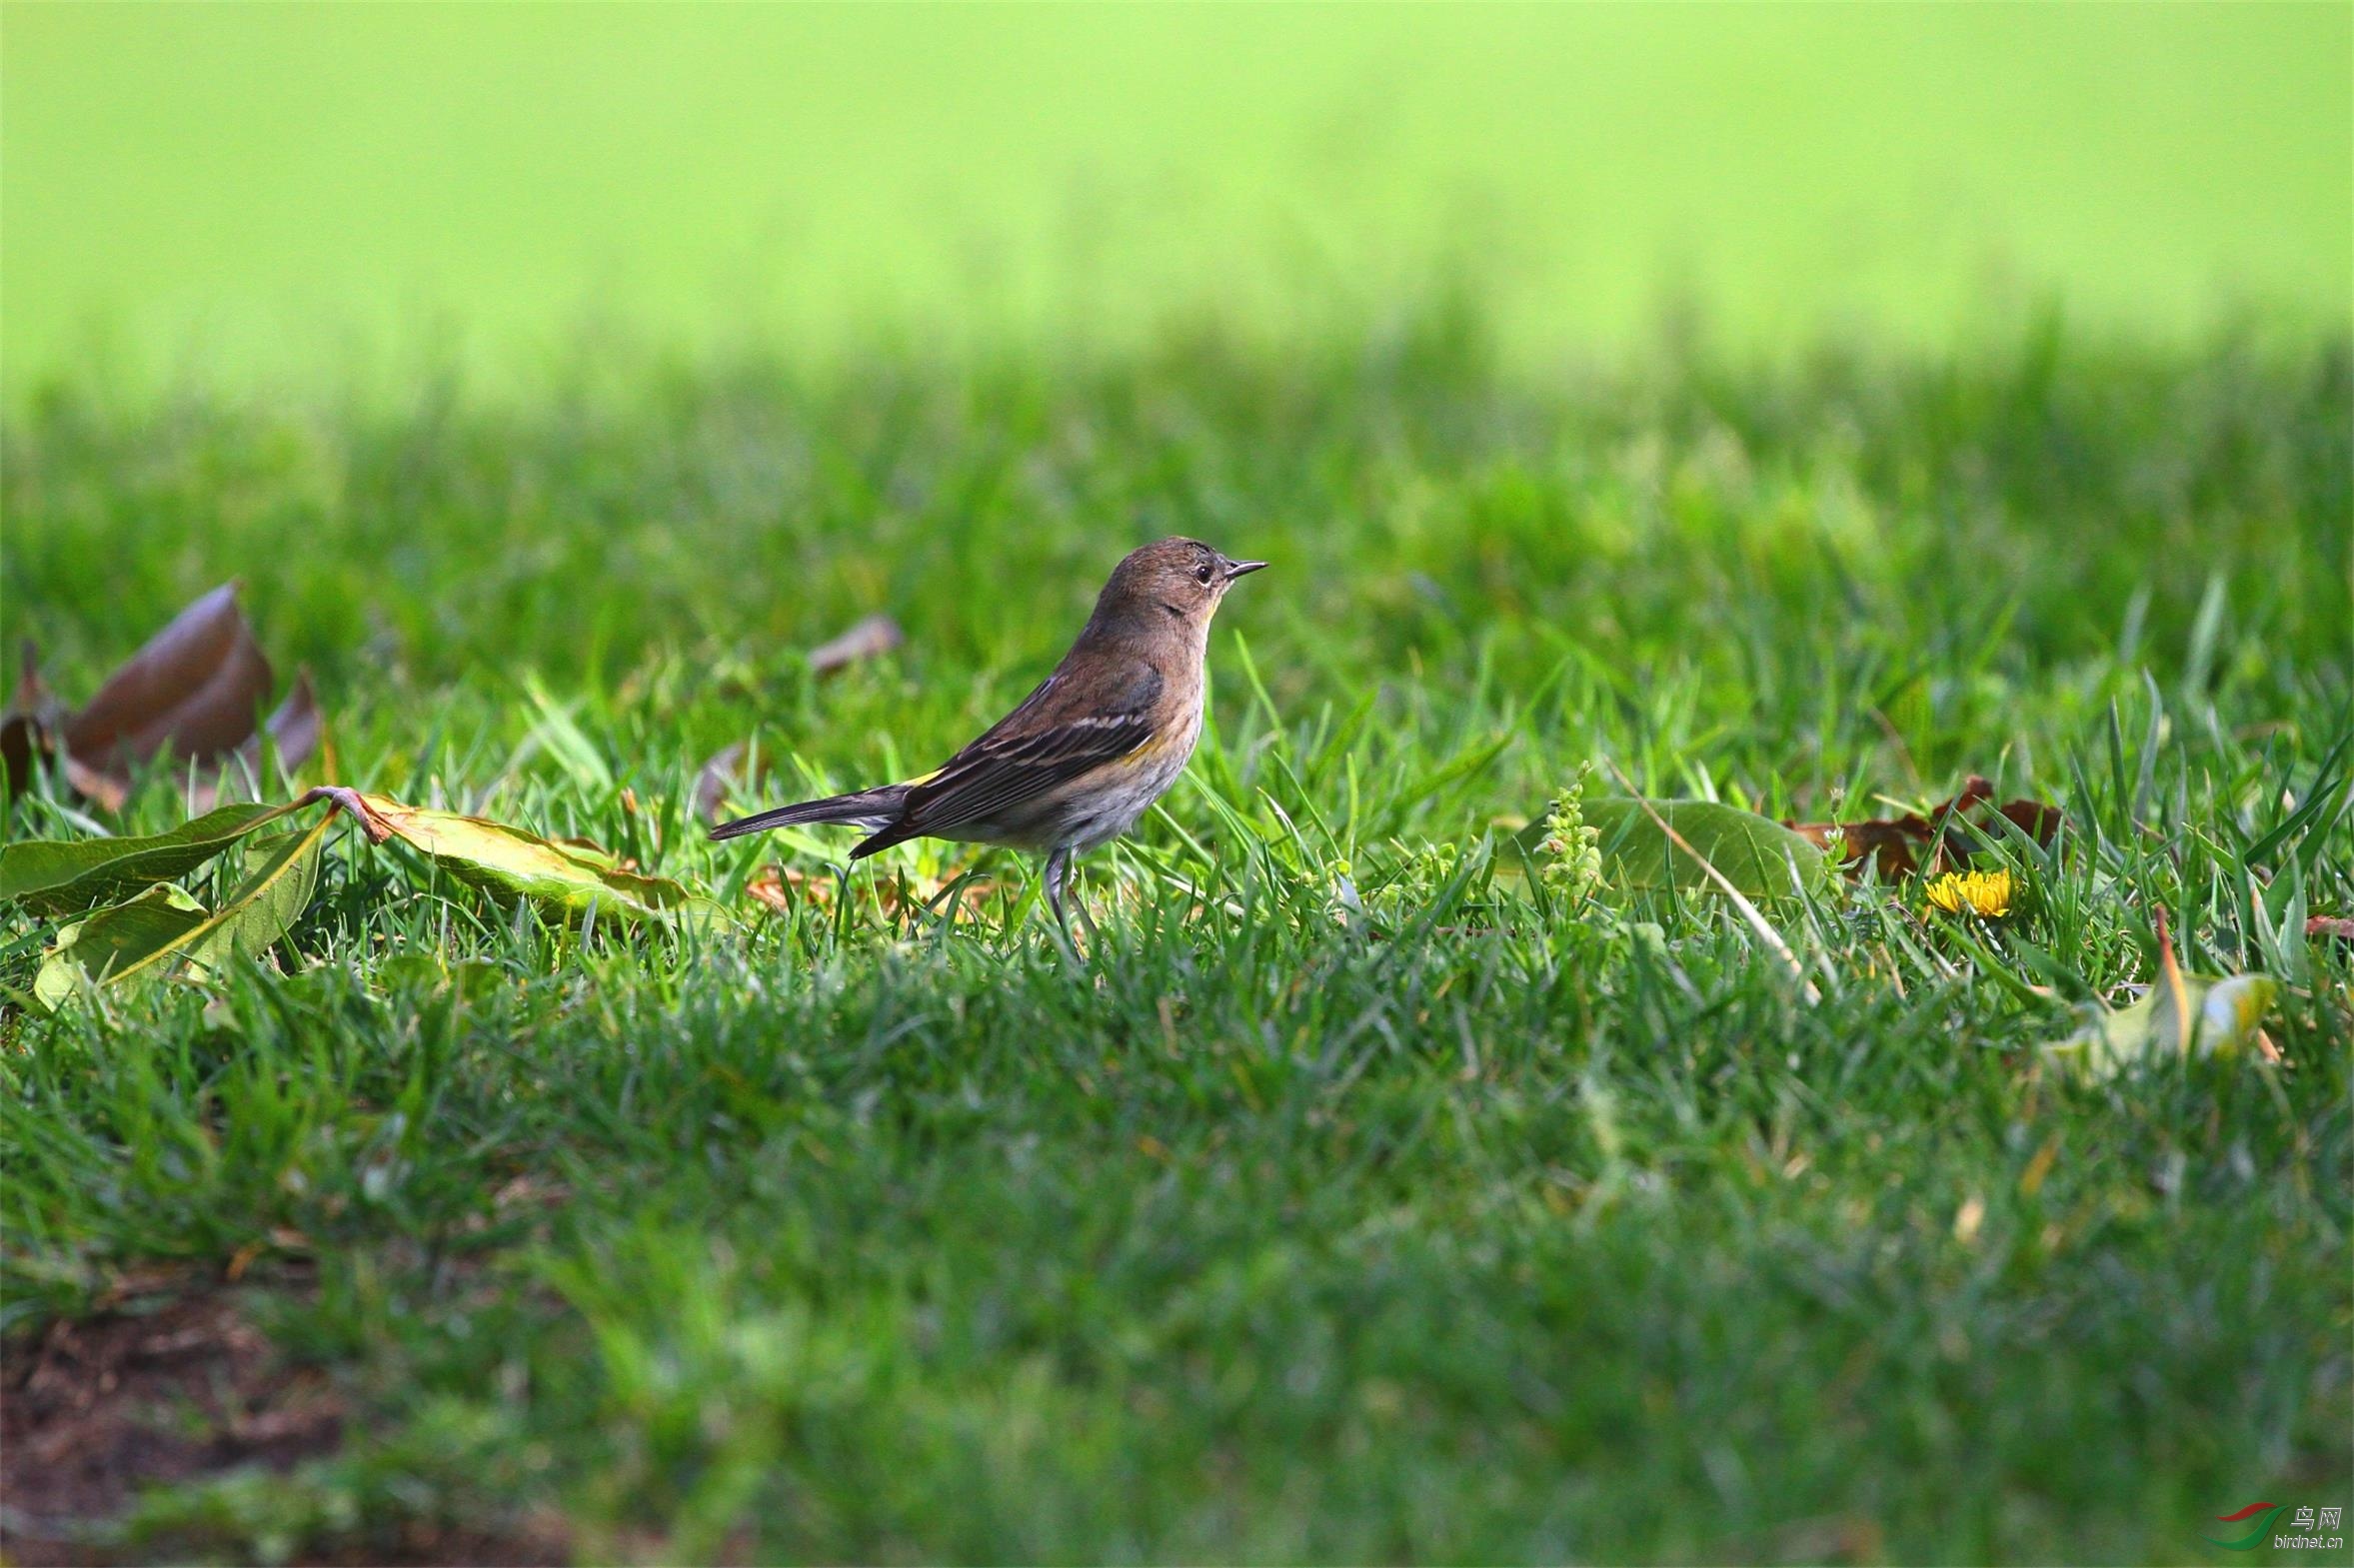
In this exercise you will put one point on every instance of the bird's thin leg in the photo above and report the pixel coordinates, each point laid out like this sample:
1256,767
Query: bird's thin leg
1057,865
1087,922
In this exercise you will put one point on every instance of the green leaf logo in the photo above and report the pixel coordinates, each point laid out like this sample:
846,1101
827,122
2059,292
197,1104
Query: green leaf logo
2254,1538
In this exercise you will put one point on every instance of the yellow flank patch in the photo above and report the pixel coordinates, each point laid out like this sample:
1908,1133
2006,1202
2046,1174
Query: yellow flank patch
1149,749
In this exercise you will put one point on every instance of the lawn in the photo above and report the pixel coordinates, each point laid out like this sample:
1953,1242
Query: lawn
1355,1199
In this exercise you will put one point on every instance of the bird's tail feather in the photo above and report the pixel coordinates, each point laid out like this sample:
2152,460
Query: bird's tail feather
878,807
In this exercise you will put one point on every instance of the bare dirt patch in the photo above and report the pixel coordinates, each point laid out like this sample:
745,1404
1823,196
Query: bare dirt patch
171,1382
161,1390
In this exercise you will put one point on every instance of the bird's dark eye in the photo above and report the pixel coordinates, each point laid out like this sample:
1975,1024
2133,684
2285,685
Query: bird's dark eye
1202,574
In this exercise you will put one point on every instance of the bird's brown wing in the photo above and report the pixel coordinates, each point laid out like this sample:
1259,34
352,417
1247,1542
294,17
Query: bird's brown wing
1051,739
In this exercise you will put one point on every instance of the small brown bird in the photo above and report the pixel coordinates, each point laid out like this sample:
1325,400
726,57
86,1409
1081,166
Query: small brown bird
1087,753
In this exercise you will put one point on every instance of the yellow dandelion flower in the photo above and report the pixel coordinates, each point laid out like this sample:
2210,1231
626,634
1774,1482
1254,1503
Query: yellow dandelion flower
1986,895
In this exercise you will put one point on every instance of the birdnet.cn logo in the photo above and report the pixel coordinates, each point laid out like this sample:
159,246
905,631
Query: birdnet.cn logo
2308,1526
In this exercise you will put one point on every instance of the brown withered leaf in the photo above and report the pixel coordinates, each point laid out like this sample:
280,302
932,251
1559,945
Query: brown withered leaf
110,791
724,773
871,638
719,778
29,725
193,691
781,886
2330,926
21,741
1898,844
296,729
902,892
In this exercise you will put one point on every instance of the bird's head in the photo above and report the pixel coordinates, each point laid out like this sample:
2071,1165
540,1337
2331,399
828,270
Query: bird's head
1172,577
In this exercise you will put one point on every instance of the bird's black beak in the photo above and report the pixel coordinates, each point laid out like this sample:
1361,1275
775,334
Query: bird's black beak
1236,569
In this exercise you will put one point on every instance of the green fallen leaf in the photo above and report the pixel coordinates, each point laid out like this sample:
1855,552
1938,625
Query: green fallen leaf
1761,858
282,871
469,979
2215,1018
139,939
64,877
420,972
510,863
114,942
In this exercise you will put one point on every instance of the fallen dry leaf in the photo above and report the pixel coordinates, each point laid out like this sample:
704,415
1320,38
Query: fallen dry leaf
2330,926
780,887
194,689
718,781
783,887
723,774
110,791
1895,843
297,729
871,638
924,893
191,692
33,716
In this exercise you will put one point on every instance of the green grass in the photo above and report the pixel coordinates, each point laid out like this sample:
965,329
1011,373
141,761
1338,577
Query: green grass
1484,1230
257,193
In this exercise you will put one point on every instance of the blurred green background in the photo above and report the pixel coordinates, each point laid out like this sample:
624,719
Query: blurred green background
251,193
